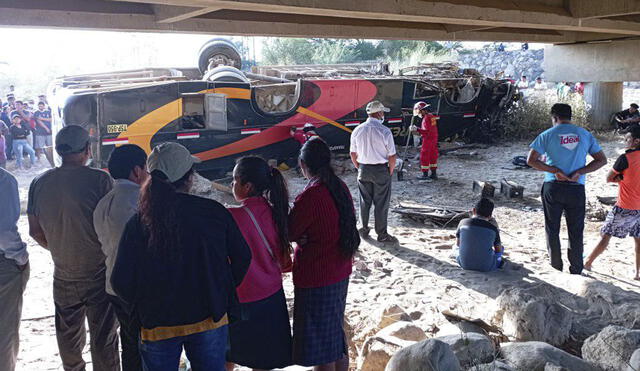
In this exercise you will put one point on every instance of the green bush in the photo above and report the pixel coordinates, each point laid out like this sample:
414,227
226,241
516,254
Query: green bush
527,119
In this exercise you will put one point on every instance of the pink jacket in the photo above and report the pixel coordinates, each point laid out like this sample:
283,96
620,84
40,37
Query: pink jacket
264,277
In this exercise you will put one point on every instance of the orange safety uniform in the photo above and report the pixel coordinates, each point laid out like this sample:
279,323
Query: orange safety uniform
429,151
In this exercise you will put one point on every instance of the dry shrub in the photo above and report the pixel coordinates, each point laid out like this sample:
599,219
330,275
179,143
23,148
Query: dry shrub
528,119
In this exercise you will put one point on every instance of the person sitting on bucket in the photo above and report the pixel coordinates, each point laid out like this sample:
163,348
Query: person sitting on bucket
478,239
429,131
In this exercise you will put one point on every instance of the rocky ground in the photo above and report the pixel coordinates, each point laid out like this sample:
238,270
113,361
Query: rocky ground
416,281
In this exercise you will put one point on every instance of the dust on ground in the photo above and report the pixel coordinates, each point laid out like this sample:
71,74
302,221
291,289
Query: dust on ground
420,274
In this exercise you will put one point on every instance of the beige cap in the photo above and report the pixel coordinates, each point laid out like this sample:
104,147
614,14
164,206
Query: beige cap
172,159
376,106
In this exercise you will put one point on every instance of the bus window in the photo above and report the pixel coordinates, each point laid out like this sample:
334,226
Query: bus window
424,91
216,111
277,98
193,111
204,111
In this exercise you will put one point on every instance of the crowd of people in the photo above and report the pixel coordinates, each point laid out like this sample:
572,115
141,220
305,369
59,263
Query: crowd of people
132,248
25,130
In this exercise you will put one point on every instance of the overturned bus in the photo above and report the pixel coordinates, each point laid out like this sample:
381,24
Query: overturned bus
220,113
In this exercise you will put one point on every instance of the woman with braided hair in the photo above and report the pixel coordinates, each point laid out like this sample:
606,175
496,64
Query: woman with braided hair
323,224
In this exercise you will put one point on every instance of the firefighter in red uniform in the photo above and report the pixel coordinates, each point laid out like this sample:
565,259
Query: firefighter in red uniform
429,132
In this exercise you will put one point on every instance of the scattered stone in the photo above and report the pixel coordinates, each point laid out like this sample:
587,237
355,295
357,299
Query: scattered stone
634,362
444,247
416,314
378,350
391,314
361,266
428,355
403,330
493,366
535,355
527,314
612,348
471,348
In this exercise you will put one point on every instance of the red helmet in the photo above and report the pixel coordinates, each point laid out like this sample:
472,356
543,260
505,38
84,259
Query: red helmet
420,105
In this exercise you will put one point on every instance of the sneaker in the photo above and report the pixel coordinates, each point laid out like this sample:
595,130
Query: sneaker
364,232
387,238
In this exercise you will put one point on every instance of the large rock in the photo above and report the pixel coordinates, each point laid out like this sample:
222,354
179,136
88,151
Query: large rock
428,355
378,350
493,366
391,314
471,348
634,362
531,314
612,348
613,304
537,356
403,330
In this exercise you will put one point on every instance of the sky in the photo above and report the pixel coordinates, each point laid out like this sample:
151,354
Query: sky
49,53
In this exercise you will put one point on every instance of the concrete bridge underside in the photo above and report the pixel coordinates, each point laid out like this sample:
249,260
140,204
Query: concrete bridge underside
564,23
550,21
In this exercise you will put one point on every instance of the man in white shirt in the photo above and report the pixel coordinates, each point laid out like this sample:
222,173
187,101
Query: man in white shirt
373,153
523,87
127,166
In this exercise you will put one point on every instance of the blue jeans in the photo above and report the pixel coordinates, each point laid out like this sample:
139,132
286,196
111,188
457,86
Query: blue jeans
206,351
19,147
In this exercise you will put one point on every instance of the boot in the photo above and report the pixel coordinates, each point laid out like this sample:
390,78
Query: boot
434,176
424,176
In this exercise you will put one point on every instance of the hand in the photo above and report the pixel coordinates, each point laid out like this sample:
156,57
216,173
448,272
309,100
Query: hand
561,176
575,177
413,128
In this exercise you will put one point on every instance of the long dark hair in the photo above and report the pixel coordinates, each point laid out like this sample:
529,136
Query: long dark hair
316,155
270,183
158,213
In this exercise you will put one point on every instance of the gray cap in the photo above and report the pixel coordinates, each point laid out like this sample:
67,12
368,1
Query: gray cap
376,106
71,139
172,159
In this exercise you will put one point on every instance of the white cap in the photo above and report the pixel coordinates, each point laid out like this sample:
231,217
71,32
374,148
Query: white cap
309,125
376,106
172,159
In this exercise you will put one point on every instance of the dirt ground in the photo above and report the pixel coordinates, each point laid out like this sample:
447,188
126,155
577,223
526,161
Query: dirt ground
420,274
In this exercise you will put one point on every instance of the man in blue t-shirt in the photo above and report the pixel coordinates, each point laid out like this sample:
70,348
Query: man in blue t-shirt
565,147
479,240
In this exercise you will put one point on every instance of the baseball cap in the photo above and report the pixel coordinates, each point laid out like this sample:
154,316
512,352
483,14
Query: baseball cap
376,106
171,159
71,139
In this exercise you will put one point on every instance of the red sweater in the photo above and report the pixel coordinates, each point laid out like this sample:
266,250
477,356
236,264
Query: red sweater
264,277
314,218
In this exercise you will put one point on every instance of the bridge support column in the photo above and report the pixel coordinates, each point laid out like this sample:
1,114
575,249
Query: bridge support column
605,99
